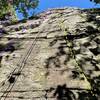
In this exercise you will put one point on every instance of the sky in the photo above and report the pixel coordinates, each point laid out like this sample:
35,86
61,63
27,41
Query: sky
46,4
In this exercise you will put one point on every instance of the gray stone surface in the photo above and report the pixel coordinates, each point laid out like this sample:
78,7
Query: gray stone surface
53,58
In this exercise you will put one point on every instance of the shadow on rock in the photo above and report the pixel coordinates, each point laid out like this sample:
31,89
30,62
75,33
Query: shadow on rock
63,93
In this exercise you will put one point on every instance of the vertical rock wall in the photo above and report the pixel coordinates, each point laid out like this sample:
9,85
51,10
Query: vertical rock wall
53,57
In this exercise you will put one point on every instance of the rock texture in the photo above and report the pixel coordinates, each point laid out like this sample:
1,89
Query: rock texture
55,56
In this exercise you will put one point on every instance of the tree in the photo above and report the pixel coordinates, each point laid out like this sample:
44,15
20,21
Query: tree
10,6
95,1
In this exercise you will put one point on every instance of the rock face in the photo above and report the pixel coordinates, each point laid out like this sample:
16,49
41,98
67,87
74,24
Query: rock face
53,57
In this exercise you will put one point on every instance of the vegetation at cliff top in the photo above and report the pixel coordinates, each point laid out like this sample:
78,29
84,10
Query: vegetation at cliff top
22,6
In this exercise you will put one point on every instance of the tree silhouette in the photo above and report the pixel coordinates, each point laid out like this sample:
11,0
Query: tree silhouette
9,6
96,1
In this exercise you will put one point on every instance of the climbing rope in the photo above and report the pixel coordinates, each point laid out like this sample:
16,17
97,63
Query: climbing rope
20,66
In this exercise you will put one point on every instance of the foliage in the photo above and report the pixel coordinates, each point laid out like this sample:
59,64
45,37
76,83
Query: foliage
21,6
96,1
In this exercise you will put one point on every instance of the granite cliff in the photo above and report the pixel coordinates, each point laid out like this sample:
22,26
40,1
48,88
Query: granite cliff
53,56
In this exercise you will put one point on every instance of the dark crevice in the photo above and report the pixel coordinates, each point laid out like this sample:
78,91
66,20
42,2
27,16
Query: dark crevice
11,79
